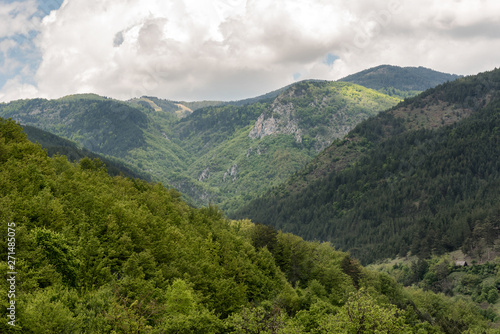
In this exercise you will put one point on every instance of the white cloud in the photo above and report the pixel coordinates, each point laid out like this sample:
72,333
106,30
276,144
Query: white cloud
229,49
18,23
184,49
17,18
15,89
6,45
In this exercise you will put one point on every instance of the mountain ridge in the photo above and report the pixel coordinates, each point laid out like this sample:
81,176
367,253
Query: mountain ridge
56,145
399,81
184,150
197,147
340,194
101,254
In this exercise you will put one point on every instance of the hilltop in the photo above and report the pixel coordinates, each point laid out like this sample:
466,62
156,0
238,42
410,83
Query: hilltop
400,81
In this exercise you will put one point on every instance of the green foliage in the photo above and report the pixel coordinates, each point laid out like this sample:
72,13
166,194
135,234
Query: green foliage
258,320
57,251
185,313
49,311
461,315
361,314
402,94
352,268
207,154
56,145
264,236
478,283
396,81
426,191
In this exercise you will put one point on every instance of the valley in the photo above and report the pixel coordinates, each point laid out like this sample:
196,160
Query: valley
160,216
418,178
225,153
259,144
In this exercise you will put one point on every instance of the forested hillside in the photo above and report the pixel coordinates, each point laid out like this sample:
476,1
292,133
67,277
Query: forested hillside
224,153
98,254
399,81
420,178
56,145
240,152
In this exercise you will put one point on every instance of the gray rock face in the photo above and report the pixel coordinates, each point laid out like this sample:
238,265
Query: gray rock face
283,123
231,172
263,127
204,175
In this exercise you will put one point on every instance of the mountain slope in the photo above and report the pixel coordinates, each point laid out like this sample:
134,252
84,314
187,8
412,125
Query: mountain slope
419,177
97,254
133,132
223,154
242,151
399,81
56,145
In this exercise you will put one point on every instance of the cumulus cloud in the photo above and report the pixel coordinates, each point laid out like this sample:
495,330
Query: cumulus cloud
19,56
16,88
222,49
18,18
231,49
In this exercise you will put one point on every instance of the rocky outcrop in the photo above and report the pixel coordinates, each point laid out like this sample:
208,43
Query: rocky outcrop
279,121
263,127
204,175
232,173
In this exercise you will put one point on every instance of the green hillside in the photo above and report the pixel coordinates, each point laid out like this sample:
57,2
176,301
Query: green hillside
132,132
56,145
243,151
224,154
398,81
473,275
421,177
90,253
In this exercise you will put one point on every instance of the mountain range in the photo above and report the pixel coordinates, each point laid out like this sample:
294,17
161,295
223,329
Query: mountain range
363,173
420,177
90,253
225,153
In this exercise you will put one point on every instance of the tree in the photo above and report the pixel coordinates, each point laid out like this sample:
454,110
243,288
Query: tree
361,314
263,235
184,313
352,268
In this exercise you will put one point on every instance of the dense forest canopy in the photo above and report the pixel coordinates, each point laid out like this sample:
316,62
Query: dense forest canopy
418,178
102,254
205,149
399,81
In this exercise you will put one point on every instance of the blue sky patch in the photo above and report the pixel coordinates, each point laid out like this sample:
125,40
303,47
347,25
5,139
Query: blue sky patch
330,59
25,52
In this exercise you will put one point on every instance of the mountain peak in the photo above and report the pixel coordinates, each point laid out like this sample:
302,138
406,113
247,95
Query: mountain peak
396,80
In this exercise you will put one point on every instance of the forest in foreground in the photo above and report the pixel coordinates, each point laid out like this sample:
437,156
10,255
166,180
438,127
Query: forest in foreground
101,254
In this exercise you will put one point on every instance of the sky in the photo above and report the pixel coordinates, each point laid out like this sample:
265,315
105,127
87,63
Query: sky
192,50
